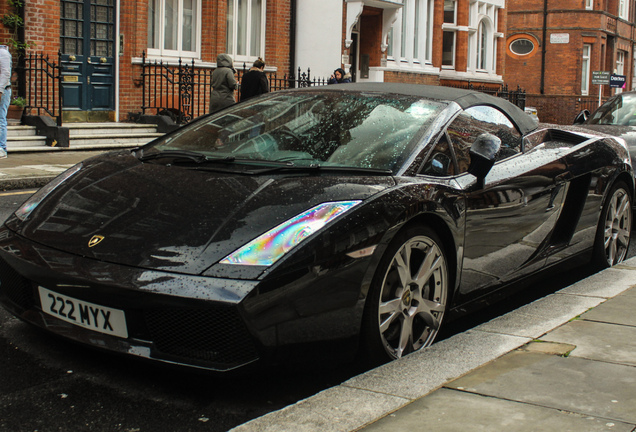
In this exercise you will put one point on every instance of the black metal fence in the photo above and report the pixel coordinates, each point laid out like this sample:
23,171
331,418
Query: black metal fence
517,97
43,86
182,91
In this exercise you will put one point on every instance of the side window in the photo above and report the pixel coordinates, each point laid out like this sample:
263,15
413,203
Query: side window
462,133
482,119
441,162
496,123
616,112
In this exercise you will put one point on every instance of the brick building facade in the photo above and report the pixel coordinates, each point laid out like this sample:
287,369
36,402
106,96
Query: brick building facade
553,46
100,44
451,42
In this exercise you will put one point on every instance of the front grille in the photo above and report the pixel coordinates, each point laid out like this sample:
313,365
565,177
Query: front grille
213,336
14,287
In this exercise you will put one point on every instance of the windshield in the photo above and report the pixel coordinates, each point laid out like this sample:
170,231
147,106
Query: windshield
618,111
375,131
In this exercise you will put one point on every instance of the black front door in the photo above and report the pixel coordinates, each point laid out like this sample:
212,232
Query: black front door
87,46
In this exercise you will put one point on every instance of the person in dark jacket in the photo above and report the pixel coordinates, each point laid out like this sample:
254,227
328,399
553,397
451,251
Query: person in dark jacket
223,83
339,77
254,82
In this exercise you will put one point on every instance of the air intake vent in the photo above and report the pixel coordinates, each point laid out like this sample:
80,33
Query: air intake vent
566,137
215,337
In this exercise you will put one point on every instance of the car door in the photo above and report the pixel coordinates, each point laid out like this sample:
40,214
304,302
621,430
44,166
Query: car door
513,213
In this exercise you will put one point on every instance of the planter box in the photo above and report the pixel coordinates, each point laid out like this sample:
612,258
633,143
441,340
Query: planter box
14,112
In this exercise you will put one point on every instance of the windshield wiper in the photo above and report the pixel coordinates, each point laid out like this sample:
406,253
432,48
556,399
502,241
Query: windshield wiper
185,154
318,167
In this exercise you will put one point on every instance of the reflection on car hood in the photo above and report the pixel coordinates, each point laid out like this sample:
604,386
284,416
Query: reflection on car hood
172,218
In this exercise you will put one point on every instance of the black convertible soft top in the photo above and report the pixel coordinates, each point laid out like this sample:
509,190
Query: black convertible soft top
464,98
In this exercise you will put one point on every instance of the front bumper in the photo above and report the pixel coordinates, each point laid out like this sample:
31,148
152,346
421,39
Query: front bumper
187,320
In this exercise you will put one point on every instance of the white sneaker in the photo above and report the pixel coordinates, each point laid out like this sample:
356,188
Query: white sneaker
3,154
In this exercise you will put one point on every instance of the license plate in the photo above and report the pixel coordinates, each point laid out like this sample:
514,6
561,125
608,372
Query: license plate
84,314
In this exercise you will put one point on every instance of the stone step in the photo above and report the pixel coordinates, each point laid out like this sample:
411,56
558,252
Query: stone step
112,140
84,136
13,131
109,128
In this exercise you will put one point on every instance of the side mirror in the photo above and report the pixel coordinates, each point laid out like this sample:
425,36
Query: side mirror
482,155
582,117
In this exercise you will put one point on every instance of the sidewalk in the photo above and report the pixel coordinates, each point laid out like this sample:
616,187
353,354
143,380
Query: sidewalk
35,169
566,362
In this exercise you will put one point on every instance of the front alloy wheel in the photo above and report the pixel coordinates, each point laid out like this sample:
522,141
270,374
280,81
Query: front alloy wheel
410,293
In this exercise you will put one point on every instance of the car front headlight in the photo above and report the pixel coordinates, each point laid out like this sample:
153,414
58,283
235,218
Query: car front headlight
268,248
30,204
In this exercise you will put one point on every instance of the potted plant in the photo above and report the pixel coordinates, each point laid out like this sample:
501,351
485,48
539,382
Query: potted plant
16,108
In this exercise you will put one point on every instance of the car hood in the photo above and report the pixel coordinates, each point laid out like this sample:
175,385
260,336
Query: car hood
173,218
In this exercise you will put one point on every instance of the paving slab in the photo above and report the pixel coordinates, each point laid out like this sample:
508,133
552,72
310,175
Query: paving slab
420,373
580,386
456,411
599,341
618,310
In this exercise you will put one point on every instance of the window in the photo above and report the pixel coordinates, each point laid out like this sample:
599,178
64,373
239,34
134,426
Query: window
173,27
411,37
623,9
245,29
616,111
620,66
442,161
589,4
482,52
521,46
483,36
448,38
585,69
405,29
478,120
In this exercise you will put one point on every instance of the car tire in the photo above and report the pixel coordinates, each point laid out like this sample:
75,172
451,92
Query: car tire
614,228
407,298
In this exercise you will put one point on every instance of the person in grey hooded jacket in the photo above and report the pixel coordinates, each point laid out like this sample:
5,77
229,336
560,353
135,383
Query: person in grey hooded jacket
223,83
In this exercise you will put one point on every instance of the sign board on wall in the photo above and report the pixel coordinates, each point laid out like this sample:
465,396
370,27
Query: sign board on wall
560,38
617,81
600,77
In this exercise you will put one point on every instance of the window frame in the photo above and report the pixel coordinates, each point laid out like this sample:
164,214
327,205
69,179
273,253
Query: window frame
449,28
620,66
482,46
410,40
159,24
232,49
586,56
623,9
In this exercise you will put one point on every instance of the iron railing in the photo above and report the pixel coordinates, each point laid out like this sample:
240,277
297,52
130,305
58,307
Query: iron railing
179,90
517,97
44,86
182,91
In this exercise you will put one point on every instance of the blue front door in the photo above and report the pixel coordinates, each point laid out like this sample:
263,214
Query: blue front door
87,46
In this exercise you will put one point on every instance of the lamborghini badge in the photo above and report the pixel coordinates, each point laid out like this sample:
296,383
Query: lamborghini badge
95,240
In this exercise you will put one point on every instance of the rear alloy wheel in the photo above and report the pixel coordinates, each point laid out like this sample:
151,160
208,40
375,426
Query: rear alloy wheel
615,227
408,295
